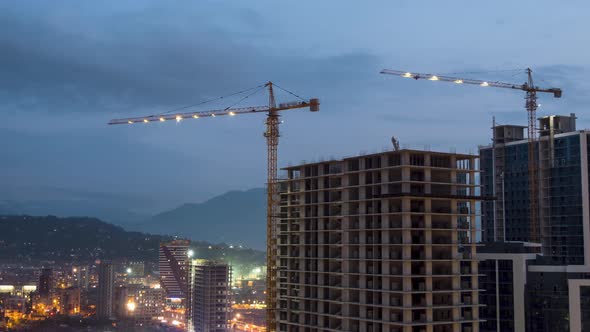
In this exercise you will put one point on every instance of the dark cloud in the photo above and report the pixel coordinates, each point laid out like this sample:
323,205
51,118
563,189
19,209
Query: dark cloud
67,67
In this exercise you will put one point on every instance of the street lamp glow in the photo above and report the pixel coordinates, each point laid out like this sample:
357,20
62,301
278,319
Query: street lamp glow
129,270
190,253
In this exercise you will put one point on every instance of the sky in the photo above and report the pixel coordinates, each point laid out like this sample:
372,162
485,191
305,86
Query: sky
68,67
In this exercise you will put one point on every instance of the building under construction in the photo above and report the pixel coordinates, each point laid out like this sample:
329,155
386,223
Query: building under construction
381,242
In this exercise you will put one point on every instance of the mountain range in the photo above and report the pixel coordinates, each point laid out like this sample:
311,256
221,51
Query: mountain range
81,239
234,218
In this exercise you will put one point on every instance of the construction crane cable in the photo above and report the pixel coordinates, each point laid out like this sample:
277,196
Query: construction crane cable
209,100
260,87
485,72
289,92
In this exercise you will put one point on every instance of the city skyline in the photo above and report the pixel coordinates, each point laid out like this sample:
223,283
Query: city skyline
69,69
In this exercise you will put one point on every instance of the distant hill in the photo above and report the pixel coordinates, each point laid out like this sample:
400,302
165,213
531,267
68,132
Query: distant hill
26,238
120,209
236,217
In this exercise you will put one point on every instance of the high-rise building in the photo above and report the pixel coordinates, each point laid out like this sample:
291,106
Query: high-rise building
536,285
381,242
208,306
141,303
174,268
45,283
106,291
81,276
69,300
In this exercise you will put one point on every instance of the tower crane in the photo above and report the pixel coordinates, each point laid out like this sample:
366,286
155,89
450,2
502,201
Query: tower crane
272,142
531,107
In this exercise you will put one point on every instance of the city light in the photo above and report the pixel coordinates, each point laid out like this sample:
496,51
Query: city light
131,306
128,270
190,253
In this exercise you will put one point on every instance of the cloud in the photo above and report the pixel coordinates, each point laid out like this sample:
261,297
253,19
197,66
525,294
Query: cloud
68,67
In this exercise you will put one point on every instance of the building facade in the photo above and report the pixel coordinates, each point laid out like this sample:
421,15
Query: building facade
140,303
106,291
69,300
382,242
45,287
208,306
555,277
173,266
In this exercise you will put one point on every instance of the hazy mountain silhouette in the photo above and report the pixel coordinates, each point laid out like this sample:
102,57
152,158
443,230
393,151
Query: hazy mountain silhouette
119,209
235,217
35,238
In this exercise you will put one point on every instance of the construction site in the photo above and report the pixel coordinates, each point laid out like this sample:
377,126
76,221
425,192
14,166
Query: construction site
390,241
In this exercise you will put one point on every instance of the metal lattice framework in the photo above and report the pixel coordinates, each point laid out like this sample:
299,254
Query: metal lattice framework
531,107
272,142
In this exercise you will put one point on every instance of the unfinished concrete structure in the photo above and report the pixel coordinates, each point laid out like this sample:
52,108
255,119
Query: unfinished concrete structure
381,242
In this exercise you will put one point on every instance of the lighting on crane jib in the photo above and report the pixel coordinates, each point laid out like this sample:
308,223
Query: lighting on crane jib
484,84
433,78
145,120
213,114
232,113
178,118
162,119
458,81
195,116
407,75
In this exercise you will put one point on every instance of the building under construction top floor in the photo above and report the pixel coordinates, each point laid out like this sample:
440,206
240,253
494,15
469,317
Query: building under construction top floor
381,242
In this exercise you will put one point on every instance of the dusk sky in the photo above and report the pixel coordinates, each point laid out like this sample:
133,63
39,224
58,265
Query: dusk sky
68,67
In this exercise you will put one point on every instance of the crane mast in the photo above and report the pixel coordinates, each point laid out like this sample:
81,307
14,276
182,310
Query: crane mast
272,142
531,107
